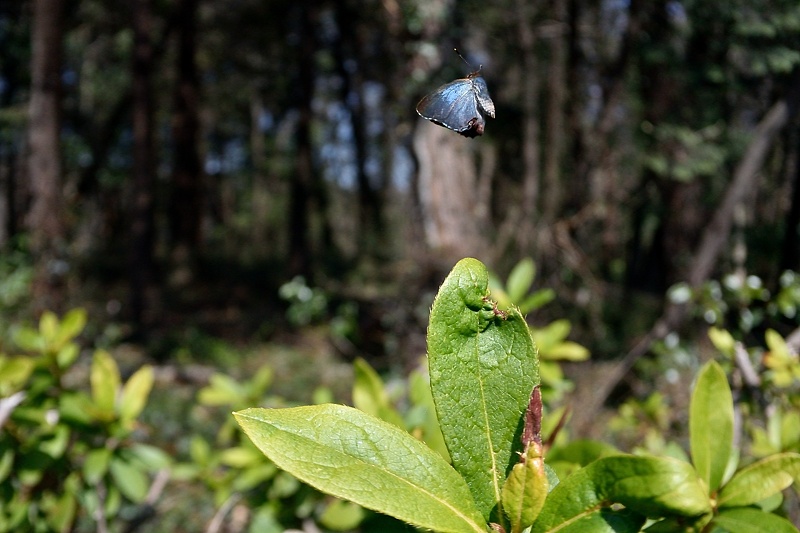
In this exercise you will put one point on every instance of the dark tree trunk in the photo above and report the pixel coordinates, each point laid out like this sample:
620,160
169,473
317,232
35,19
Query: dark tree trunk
554,135
46,217
185,208
300,192
790,249
531,173
142,217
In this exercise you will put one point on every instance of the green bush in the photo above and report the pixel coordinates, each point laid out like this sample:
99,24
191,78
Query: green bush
68,454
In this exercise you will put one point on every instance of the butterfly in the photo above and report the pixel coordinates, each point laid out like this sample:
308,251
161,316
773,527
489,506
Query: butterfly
460,105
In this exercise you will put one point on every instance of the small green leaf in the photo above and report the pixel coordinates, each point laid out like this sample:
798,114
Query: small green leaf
646,486
483,367
525,490
722,340
14,373
536,300
222,390
67,355
29,339
711,425
96,464
370,396
48,327
568,351
342,516
419,392
105,383
241,457
520,279
581,452
71,325
253,476
199,450
131,482
61,515
152,457
135,393
748,520
349,454
760,480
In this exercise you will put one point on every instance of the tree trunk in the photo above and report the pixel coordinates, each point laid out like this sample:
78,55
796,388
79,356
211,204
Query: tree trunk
46,217
186,207
556,95
142,217
531,175
302,182
790,249
448,191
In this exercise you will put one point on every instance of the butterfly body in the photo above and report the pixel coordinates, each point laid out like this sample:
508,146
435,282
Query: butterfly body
460,105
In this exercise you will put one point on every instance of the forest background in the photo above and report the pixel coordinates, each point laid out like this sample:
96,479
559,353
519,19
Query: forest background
222,182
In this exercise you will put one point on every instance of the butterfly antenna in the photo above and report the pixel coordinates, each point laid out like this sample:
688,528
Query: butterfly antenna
465,61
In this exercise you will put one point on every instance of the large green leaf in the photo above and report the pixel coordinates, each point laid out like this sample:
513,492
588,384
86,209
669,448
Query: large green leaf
646,486
352,455
760,480
711,425
749,520
483,367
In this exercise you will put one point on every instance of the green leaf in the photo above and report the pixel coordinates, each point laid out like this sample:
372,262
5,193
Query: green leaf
525,491
135,393
131,482
29,339
152,457
71,325
536,300
483,367
370,396
61,515
222,390
722,340
48,327
760,480
711,425
349,454
96,464
105,383
568,351
581,452
748,520
67,355
419,392
342,516
14,373
646,486
520,279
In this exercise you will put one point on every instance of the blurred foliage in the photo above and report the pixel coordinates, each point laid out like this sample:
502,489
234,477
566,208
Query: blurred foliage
70,453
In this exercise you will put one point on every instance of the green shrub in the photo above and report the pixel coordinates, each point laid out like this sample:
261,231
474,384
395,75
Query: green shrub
68,453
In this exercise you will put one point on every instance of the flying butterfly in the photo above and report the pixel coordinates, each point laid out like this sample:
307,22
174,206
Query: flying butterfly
460,105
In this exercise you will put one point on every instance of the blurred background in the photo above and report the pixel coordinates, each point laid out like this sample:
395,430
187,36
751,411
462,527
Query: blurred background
225,184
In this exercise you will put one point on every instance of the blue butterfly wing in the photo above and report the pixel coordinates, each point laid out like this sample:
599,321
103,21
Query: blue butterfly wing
454,105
